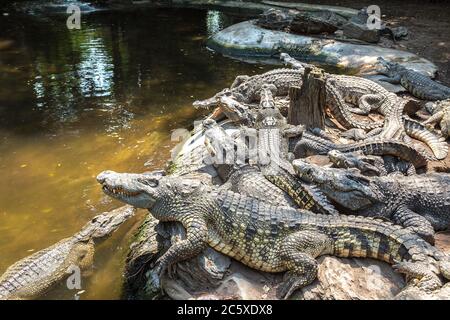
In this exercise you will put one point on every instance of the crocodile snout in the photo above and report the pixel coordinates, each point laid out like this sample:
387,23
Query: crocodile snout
103,176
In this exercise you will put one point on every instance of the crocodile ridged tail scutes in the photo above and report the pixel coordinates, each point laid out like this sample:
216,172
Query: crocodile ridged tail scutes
418,131
303,237
317,145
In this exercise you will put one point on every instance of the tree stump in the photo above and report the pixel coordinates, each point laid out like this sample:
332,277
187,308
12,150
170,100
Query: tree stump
307,104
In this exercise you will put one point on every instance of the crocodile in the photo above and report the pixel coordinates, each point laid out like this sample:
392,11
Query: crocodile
246,89
370,96
419,202
268,143
231,162
371,165
419,85
313,144
271,238
34,275
342,90
440,114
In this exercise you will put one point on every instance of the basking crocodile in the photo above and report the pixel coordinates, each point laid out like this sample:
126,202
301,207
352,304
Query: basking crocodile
343,90
440,113
231,162
271,238
419,202
34,275
268,143
313,144
416,83
371,165
246,89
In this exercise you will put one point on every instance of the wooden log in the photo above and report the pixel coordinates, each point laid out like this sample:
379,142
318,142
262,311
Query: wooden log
307,104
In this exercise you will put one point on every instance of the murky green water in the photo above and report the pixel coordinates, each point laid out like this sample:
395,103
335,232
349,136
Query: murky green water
76,102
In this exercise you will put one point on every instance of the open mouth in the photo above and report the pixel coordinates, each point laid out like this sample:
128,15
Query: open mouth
119,191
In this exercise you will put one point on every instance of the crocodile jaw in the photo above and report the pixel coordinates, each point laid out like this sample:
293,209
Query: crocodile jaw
138,190
346,187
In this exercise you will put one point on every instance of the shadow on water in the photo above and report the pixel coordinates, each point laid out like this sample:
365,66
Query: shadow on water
76,102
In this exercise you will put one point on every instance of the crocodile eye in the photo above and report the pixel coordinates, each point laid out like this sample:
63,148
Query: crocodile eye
149,182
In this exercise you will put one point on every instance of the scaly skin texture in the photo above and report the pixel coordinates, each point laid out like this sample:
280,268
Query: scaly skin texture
247,89
312,144
367,95
270,238
230,160
371,165
370,96
418,202
32,276
416,83
440,114
271,133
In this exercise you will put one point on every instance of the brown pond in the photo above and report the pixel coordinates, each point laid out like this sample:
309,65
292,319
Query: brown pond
76,102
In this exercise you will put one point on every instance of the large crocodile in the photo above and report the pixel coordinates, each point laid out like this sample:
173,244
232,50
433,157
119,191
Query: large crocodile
33,275
271,238
419,202
247,89
416,83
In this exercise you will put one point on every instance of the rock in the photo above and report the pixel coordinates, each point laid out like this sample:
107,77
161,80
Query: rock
249,42
350,279
361,32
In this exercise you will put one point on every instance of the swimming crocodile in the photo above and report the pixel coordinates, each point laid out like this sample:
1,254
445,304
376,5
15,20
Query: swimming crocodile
246,89
416,83
419,202
271,238
34,275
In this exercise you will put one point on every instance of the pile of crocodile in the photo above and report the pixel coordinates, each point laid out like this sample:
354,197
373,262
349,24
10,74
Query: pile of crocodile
275,196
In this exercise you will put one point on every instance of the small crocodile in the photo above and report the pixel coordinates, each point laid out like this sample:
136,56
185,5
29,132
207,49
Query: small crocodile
231,162
313,144
371,165
417,84
440,113
246,89
268,143
32,276
343,90
271,238
419,202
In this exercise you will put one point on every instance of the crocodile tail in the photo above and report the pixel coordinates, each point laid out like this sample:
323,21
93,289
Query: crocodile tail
388,147
366,237
341,112
305,196
418,131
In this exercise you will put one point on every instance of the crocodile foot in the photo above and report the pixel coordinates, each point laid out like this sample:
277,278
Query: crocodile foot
291,283
420,274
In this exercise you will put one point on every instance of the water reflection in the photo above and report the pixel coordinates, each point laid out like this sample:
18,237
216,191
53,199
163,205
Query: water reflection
215,21
76,102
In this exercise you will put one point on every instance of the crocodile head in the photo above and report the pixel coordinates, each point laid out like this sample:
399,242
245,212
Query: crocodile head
211,102
106,223
138,190
348,188
268,115
148,190
391,69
